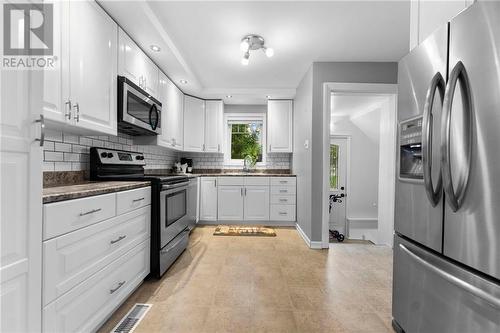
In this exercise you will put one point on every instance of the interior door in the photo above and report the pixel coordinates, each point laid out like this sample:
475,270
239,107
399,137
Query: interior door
21,203
421,79
338,168
471,174
93,53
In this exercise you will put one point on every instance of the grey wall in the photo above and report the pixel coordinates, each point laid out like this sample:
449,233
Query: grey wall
309,124
301,162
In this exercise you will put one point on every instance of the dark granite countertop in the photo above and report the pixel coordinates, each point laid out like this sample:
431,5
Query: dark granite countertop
87,189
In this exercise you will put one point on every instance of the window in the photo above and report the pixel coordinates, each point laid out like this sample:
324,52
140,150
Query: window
245,136
334,153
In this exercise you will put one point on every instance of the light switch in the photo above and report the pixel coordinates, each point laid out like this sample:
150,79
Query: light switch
306,144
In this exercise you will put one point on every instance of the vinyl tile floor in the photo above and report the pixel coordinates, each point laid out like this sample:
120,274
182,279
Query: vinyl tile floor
267,284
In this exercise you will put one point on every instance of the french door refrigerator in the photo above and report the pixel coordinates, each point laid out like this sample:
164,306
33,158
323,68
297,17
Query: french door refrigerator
447,219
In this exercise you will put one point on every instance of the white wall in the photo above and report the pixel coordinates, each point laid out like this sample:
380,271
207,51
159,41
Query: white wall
364,131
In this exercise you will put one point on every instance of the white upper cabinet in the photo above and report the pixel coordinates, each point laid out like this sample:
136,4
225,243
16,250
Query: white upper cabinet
81,92
194,124
279,126
428,15
135,65
172,114
214,111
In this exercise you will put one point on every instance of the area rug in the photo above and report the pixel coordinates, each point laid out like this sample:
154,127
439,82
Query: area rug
236,230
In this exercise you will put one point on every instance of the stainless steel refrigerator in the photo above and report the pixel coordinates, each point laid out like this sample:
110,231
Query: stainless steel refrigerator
447,219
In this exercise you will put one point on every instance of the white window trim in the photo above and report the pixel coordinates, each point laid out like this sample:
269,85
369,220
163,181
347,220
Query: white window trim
243,117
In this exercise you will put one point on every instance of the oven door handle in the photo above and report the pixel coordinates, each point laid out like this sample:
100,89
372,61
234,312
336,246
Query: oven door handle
170,247
174,186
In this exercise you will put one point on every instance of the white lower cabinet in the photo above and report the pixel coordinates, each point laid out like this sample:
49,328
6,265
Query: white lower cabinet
91,266
88,305
248,199
230,203
256,203
208,198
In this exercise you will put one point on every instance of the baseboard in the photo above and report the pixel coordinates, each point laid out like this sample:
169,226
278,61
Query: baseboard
312,245
264,223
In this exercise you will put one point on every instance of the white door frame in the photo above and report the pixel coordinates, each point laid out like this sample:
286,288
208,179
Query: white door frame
330,88
347,174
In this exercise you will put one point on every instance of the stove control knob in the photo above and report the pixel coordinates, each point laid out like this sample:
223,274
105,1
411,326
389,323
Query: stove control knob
110,155
138,157
104,154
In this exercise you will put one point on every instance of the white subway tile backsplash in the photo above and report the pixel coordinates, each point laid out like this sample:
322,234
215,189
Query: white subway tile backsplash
64,147
52,156
62,166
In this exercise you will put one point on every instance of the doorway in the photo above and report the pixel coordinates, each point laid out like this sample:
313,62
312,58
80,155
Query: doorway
339,155
364,118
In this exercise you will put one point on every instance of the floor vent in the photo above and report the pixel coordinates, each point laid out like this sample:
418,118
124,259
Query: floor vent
132,318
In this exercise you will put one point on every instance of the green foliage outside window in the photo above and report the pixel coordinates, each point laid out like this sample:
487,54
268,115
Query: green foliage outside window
246,141
334,151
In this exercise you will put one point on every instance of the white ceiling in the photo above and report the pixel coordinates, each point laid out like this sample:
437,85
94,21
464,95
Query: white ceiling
200,40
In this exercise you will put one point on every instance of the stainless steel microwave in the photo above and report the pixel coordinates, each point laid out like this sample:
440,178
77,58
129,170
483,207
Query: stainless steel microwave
138,112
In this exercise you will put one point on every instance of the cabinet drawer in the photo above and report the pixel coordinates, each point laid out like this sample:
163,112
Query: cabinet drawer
283,181
65,216
282,213
72,258
127,201
87,305
257,181
231,181
286,199
282,190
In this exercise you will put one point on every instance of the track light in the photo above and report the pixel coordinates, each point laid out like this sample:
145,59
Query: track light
251,43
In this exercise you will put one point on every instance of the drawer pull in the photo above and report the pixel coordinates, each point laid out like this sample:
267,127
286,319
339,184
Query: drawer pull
91,212
283,213
120,284
137,200
284,200
118,239
283,191
283,181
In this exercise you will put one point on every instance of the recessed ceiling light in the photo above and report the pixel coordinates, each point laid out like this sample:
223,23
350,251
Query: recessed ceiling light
155,48
229,96
183,81
268,96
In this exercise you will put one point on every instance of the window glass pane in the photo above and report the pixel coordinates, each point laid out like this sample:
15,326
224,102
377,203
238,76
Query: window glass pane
246,139
334,151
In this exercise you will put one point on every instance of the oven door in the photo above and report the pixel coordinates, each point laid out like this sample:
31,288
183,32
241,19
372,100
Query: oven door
138,108
173,211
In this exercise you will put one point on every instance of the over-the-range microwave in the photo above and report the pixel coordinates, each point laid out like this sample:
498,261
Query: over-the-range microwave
138,112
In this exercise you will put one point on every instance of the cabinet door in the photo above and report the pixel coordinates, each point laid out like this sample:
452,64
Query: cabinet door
172,113
279,126
230,203
20,201
208,199
151,73
92,42
130,59
213,126
194,123
256,203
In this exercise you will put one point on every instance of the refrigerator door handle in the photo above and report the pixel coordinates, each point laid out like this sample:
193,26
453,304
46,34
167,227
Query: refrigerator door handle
494,301
434,194
456,197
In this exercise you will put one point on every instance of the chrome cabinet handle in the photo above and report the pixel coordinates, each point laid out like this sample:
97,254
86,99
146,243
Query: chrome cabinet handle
283,200
241,191
118,239
283,181
434,195
120,284
452,278
42,130
270,148
91,212
203,147
245,191
77,107
137,200
68,113
282,213
215,182
283,191
455,198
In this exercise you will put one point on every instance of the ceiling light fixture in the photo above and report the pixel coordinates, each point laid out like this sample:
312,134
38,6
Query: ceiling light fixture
251,43
268,96
183,81
155,48
229,96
